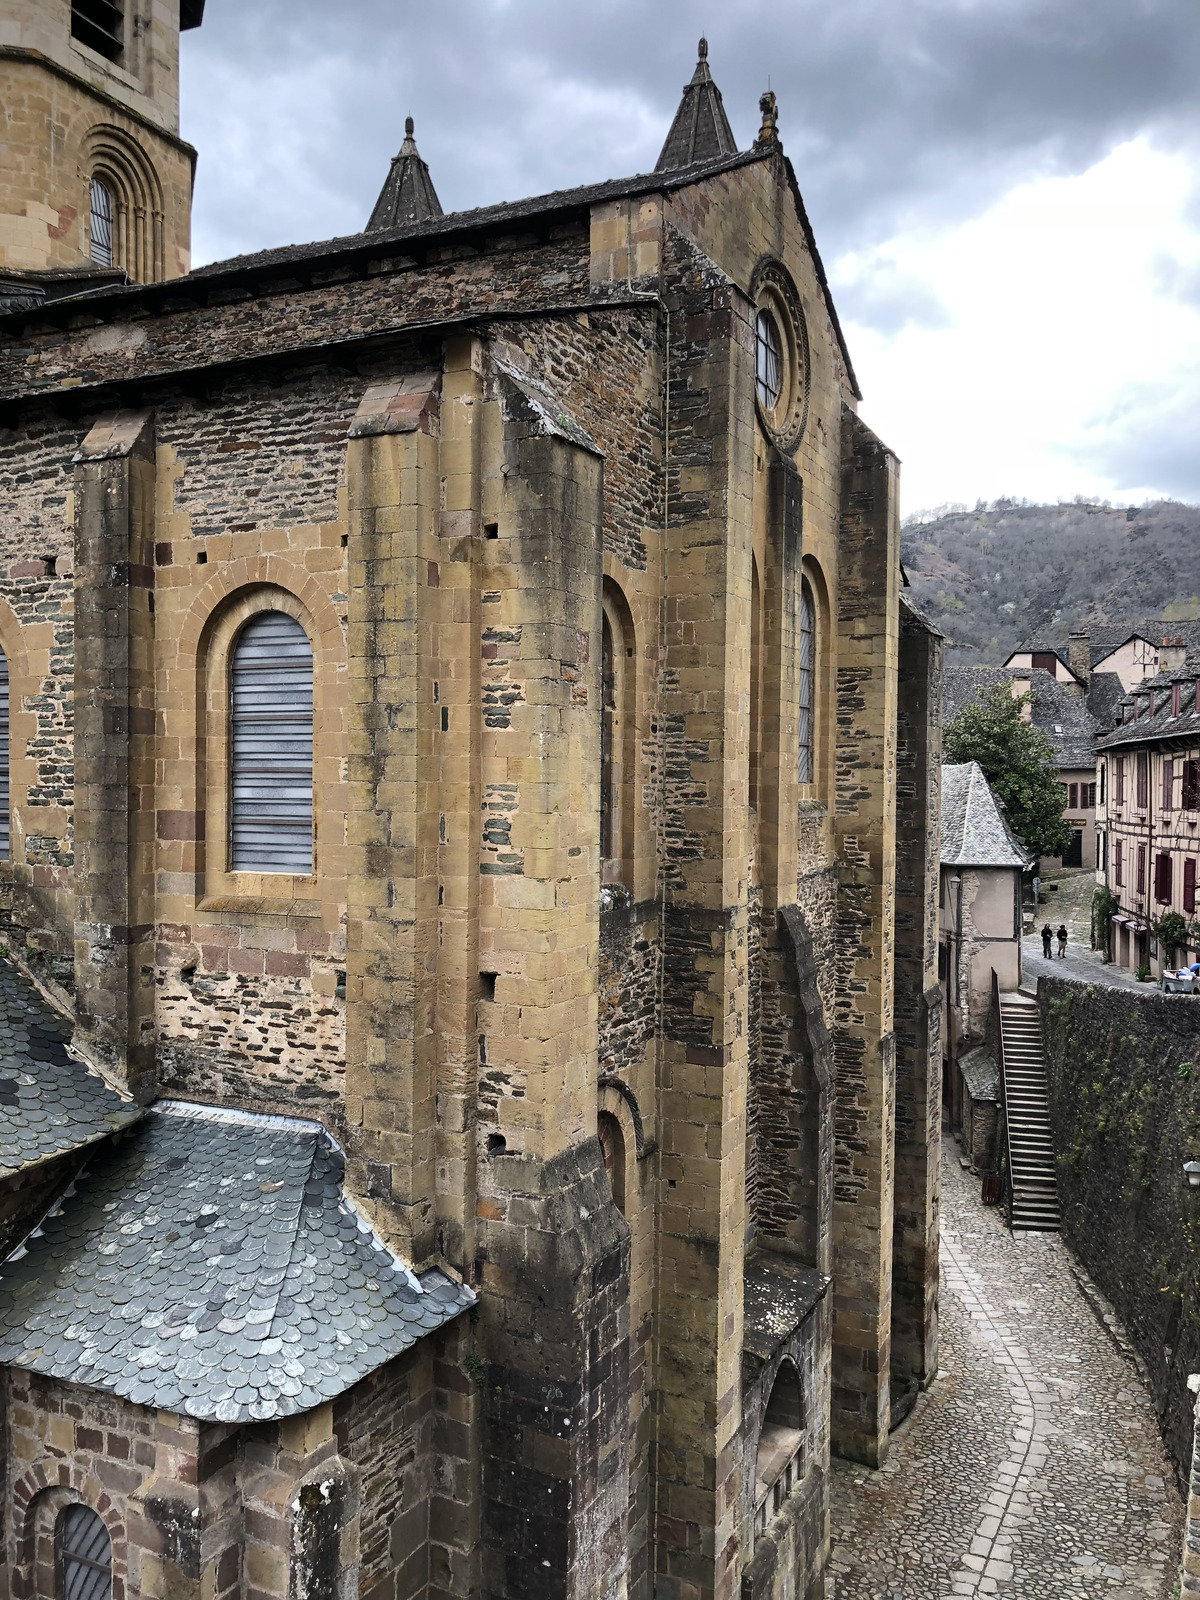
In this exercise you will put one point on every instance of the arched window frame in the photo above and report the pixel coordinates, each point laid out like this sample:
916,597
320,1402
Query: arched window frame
113,159
214,773
612,1145
83,1553
806,676
812,583
618,731
780,1450
102,210
271,687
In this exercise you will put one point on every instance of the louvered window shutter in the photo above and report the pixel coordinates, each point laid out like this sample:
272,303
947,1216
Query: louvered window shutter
271,739
86,1555
4,759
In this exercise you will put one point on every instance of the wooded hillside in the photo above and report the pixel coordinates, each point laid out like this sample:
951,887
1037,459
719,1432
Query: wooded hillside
988,578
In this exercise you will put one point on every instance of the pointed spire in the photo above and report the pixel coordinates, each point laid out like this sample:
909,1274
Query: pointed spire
700,131
408,194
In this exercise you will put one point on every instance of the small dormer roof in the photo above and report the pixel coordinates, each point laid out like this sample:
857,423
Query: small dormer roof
700,131
408,194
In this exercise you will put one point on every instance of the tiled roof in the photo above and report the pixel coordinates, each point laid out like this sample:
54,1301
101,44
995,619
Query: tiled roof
700,131
49,1102
974,833
1105,693
209,1263
1155,718
1066,721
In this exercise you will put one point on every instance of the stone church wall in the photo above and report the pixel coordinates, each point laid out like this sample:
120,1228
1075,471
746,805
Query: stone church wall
1123,1072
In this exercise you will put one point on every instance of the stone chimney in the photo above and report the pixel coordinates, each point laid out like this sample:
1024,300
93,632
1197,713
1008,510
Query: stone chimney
1172,654
1022,683
1079,658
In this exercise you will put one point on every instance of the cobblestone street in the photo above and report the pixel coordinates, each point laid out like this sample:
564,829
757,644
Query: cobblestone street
1032,1467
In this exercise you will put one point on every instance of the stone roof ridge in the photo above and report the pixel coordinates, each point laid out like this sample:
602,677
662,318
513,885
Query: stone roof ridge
700,131
408,195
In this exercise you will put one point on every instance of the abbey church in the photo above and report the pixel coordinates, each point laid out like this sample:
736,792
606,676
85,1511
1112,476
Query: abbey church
469,1035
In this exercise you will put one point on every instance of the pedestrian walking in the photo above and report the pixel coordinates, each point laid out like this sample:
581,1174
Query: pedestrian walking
1062,941
1047,935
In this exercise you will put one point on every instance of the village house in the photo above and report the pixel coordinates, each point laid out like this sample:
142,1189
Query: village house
1149,796
469,1109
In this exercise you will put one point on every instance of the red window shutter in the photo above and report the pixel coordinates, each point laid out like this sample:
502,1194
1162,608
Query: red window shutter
1189,883
1143,781
1141,869
1120,794
1162,879
1175,688
1168,782
1118,853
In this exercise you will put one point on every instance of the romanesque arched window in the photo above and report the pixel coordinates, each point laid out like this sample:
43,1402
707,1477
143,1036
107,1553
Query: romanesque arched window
126,226
84,1555
271,747
617,718
612,1147
5,851
806,708
609,799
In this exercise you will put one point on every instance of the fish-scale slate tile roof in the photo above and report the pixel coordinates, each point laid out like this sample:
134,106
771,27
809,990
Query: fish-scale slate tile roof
50,1103
1067,723
209,1263
974,833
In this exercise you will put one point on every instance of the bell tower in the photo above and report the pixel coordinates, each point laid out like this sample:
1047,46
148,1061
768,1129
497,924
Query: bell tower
95,182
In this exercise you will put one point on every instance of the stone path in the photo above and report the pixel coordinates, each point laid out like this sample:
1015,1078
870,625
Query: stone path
1070,902
1032,1468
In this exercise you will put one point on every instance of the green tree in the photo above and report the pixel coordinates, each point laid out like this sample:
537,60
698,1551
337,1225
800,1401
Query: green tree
1018,761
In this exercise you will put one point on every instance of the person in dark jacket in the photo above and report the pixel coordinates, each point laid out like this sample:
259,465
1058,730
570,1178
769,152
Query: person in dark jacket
1047,935
1062,941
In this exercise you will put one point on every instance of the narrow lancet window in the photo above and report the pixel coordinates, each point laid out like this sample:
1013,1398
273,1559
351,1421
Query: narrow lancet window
608,717
102,223
271,739
808,629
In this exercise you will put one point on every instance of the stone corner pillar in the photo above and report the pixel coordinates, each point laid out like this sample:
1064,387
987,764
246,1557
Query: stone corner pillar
114,746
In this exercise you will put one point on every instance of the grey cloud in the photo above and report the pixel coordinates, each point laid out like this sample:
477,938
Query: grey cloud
890,301
1146,442
924,110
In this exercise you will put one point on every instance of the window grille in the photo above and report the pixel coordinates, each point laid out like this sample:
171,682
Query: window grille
4,759
100,24
808,629
85,1555
102,223
1091,797
271,743
768,360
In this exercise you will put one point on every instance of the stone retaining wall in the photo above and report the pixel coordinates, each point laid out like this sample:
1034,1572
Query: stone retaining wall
1123,1072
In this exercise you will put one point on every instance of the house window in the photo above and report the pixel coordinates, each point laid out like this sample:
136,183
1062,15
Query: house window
1189,883
1190,799
1119,796
1118,863
1168,782
271,738
4,760
1047,661
768,360
1073,797
1141,869
1103,780
808,646
1143,781
100,24
102,210
1091,797
1162,878
85,1555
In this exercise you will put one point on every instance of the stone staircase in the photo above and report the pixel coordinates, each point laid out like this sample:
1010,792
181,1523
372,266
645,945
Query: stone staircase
1030,1146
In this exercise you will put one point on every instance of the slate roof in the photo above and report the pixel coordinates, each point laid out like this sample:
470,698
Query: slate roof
981,1073
49,1102
974,832
1104,637
1105,693
700,131
778,1292
1067,722
1155,720
408,194
209,1263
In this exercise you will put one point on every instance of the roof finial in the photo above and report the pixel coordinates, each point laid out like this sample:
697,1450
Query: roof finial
703,49
769,132
700,131
408,195
408,127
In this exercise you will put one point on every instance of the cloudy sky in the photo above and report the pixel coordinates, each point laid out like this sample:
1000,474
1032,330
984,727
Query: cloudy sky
1006,193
